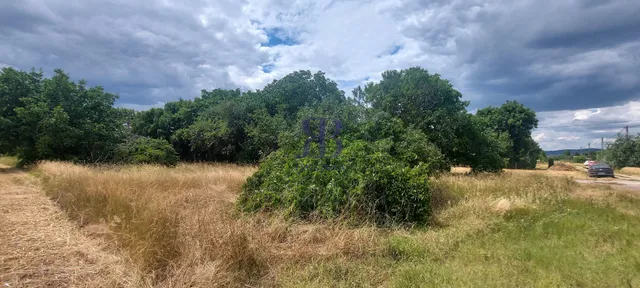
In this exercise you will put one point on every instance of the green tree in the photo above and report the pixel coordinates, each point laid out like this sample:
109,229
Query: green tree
430,104
15,87
517,122
57,118
624,152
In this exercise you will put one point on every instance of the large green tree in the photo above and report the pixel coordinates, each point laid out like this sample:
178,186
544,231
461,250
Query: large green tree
56,118
514,122
432,105
624,152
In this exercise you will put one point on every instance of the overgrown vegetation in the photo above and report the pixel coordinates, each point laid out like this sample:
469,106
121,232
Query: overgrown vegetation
624,152
397,133
519,228
365,183
143,150
58,119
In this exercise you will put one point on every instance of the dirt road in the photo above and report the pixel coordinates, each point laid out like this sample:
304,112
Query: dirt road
622,181
40,247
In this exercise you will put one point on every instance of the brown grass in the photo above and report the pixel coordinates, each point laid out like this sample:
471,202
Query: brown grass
631,171
41,248
180,228
562,167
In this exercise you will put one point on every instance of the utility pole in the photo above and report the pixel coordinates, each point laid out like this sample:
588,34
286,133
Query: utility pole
602,143
626,129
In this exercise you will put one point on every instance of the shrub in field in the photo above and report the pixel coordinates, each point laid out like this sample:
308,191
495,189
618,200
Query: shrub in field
364,183
579,159
143,150
551,162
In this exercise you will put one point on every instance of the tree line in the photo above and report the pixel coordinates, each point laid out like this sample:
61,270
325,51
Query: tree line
58,119
624,152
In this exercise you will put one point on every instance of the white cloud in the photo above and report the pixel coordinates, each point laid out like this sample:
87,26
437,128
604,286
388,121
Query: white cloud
141,107
574,129
154,51
585,114
570,138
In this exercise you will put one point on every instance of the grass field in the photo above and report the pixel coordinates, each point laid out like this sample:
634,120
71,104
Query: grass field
8,161
631,171
527,229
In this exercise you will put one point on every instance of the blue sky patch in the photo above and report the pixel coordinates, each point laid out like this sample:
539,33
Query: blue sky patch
396,49
267,68
277,36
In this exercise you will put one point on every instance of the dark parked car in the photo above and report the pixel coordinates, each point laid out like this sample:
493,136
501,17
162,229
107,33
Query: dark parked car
599,170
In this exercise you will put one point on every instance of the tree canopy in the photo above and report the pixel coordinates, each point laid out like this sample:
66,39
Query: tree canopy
513,124
419,114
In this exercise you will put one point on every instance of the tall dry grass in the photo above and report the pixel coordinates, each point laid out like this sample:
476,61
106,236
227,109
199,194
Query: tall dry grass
631,171
179,226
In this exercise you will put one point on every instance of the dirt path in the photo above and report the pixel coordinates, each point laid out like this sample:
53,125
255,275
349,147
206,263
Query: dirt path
40,247
623,181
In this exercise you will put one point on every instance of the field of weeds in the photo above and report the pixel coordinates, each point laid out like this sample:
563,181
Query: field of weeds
179,228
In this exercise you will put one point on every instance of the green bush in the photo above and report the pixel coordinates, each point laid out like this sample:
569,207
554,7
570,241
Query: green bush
551,162
364,183
143,150
579,159
624,152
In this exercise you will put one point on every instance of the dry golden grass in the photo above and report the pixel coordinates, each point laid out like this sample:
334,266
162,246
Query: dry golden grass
541,169
180,228
41,248
630,171
460,170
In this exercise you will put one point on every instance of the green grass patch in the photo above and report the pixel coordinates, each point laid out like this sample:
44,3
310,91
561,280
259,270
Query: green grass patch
567,243
573,244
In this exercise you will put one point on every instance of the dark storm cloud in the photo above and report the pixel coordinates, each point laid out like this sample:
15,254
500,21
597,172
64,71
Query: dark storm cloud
147,51
550,55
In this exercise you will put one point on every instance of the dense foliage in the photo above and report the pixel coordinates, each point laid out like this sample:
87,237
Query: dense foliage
56,118
143,150
624,152
364,182
513,124
396,133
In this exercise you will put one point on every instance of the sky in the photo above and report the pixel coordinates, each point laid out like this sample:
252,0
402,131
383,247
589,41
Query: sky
575,62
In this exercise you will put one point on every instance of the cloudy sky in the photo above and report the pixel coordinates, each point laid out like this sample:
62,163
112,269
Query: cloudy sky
575,62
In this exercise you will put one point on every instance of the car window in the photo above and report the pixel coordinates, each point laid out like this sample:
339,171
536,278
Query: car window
601,166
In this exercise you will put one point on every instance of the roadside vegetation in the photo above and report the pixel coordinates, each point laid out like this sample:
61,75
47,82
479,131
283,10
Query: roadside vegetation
180,228
347,191
8,161
631,170
624,152
59,119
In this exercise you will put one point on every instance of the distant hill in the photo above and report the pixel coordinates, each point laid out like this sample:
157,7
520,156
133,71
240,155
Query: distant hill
573,151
